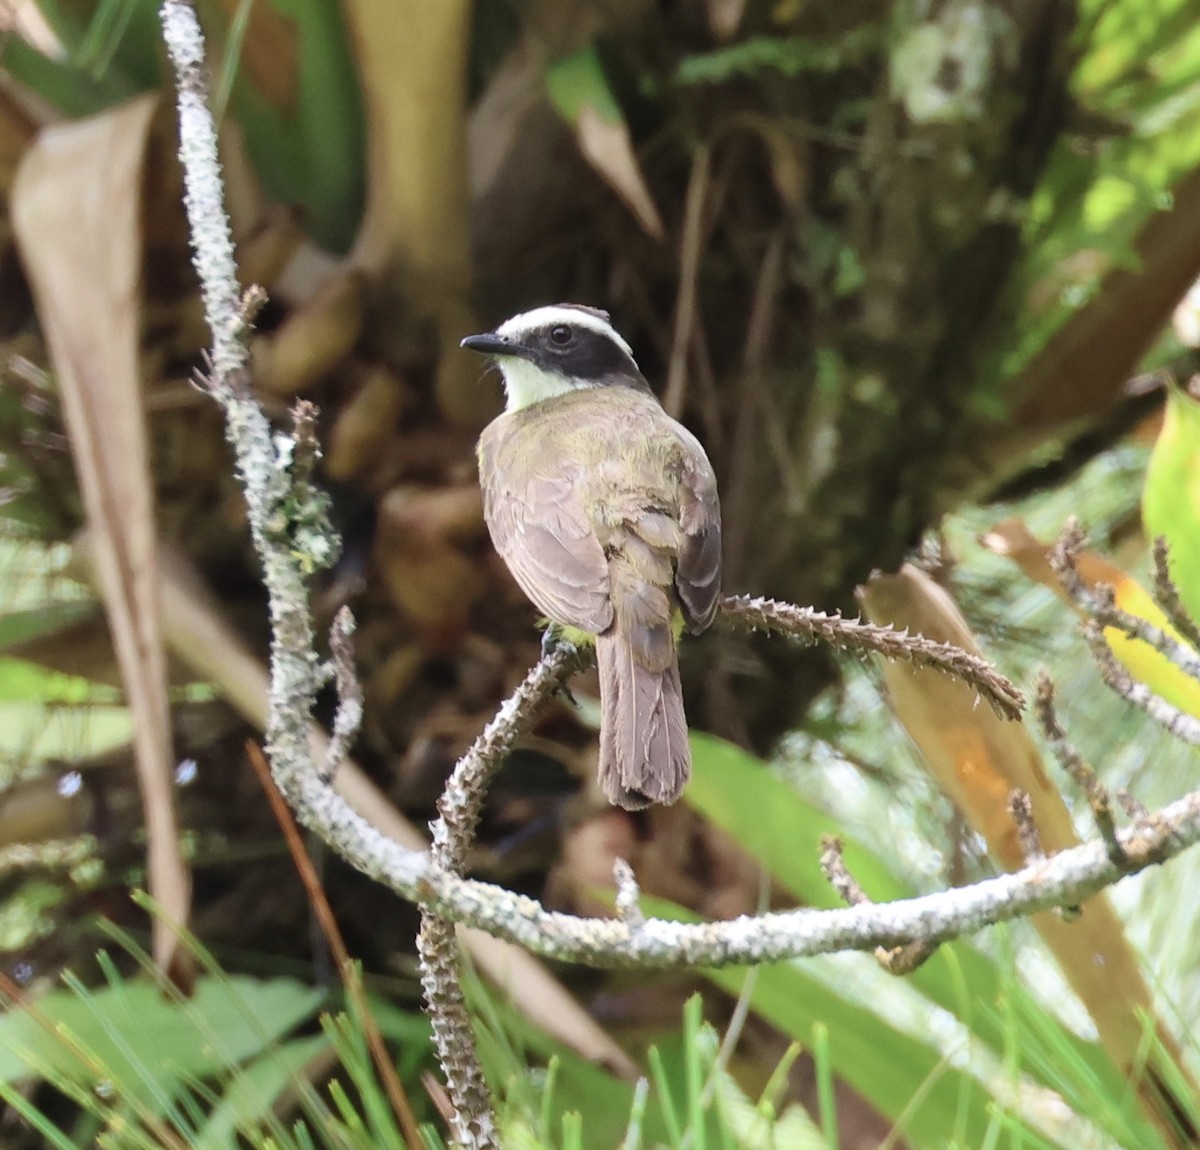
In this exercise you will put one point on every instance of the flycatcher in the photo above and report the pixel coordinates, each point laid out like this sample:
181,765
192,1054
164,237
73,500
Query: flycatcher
605,510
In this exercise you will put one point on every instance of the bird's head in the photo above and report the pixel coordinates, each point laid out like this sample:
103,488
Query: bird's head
557,349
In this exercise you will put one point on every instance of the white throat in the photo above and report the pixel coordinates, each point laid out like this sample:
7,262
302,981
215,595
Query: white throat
525,383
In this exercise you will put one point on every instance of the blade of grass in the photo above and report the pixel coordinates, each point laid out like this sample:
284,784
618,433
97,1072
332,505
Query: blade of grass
234,41
548,1097
694,1071
637,1115
21,1105
572,1130
826,1097
667,1104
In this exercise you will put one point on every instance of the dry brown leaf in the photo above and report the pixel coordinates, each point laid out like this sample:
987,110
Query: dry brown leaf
198,633
426,574
608,148
76,204
1013,539
364,432
314,339
978,759
415,239
268,51
724,18
16,130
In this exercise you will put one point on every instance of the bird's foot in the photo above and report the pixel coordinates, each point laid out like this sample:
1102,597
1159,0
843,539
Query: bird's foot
555,641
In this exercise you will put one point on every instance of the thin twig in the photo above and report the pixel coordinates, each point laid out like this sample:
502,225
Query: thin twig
629,897
462,800
349,714
1080,771
1020,807
1132,806
441,979
833,865
897,960
1168,598
1180,724
348,970
1099,602
856,635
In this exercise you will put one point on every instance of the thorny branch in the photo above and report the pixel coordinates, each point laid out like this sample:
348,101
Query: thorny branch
855,635
1080,771
1020,809
1167,595
292,539
453,832
1099,605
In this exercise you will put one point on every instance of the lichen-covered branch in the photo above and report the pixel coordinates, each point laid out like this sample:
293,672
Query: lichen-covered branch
462,800
1179,723
1099,604
1066,879
292,538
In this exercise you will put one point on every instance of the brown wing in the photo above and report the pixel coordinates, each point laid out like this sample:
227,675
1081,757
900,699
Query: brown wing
698,573
541,530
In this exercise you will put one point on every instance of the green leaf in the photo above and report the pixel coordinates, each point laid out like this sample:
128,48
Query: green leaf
312,153
1171,497
789,56
141,1044
47,619
59,82
247,1102
740,794
577,82
25,682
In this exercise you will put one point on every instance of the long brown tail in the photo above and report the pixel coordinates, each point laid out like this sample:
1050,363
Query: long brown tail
644,753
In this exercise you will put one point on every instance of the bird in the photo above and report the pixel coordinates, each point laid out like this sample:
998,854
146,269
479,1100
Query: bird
606,512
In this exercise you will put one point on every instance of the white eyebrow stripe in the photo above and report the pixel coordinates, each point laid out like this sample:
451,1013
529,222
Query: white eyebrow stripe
544,317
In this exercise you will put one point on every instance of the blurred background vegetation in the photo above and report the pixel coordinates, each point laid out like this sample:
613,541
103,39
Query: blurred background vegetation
908,269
